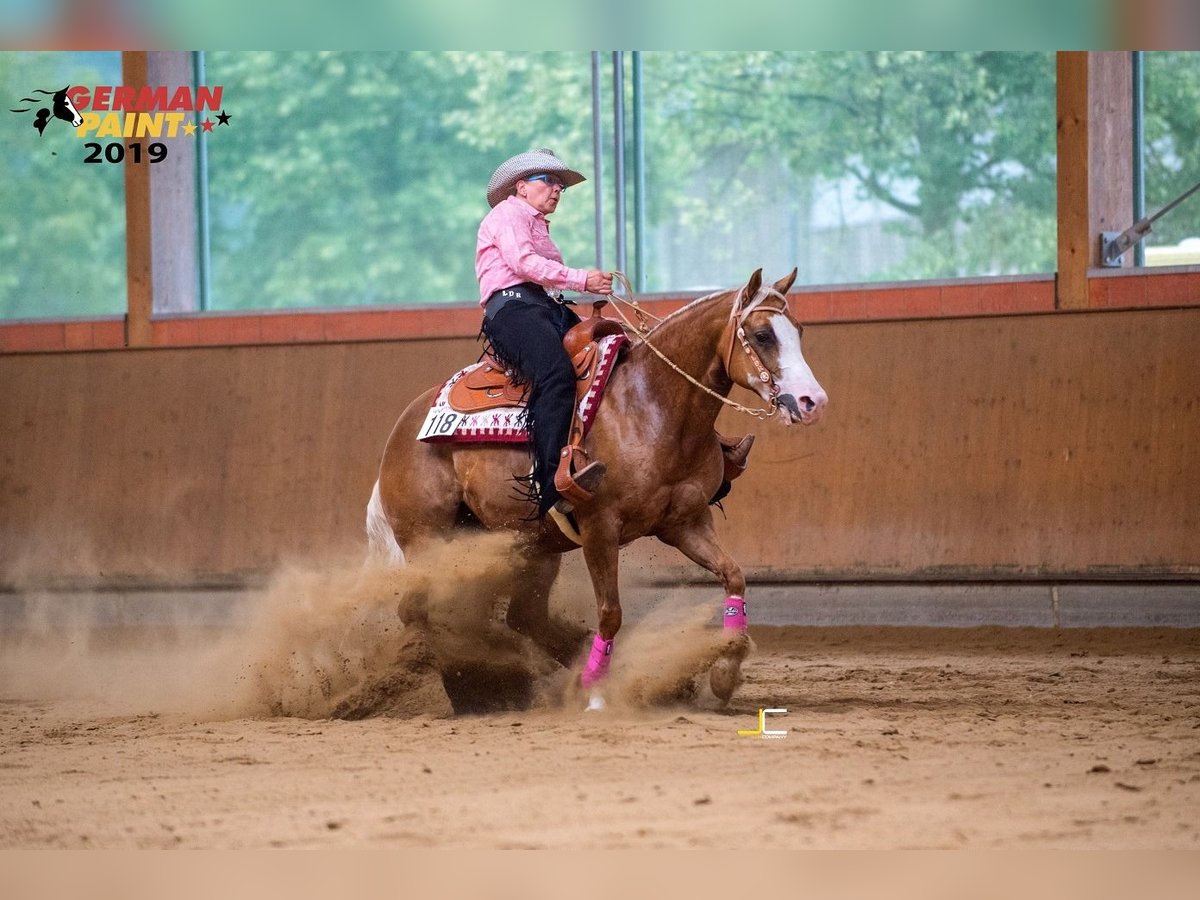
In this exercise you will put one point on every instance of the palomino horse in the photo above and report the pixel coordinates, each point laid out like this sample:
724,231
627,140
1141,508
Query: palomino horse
654,430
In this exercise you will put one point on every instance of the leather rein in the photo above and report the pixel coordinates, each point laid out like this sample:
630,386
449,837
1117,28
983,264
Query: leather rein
737,332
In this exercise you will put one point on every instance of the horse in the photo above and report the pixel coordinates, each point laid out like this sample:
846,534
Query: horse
63,109
655,431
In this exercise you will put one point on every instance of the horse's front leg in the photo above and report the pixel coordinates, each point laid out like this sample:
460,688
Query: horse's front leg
697,540
601,551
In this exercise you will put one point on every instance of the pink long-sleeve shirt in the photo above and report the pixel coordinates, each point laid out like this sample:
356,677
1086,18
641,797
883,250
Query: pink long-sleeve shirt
514,245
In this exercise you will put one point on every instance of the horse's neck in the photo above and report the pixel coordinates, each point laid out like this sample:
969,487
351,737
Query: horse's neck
691,340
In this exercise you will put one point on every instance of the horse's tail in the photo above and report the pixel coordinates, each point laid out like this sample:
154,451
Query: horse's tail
382,547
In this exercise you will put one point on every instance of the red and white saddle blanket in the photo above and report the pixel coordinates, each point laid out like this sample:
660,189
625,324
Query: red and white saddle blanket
505,424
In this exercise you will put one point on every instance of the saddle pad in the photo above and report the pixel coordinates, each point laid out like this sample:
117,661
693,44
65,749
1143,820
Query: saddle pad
506,424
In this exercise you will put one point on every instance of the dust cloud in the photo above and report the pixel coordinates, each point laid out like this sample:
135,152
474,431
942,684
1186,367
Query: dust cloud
346,641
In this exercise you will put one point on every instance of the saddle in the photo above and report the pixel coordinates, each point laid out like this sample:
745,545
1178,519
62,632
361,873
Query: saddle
491,386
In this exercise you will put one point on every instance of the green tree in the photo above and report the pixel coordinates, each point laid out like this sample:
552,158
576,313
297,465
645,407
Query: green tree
1172,148
62,244
961,144
359,178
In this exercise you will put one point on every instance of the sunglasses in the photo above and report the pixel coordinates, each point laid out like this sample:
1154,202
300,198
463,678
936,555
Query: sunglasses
552,180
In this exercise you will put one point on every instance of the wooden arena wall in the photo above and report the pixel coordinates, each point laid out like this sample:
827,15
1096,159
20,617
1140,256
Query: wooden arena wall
1060,445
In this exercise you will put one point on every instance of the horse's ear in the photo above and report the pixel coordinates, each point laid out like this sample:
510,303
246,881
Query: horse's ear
784,284
752,287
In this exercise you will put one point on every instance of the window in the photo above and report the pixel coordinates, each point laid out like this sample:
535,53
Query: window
350,179
62,247
1171,153
358,178
856,166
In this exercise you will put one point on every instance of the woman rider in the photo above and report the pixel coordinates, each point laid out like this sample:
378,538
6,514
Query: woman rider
521,276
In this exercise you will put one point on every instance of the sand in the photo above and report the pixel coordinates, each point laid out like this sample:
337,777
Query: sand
980,738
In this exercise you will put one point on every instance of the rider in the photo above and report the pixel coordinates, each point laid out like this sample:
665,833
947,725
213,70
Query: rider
521,276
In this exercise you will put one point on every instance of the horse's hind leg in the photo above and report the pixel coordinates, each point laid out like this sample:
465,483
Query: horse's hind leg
529,608
418,492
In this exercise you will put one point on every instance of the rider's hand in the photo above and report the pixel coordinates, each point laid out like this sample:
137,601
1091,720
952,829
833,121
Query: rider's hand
598,282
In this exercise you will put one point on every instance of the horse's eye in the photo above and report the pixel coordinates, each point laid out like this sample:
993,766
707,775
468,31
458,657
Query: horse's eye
764,337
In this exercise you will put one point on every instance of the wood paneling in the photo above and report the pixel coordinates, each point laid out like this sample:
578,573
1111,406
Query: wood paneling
197,463
1058,445
1039,445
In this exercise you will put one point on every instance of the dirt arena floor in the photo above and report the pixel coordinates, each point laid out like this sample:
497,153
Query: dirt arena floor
895,737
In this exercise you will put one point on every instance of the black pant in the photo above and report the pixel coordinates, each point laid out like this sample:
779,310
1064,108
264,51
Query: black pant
526,335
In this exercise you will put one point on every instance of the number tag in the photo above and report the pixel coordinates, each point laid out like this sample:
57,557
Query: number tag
438,424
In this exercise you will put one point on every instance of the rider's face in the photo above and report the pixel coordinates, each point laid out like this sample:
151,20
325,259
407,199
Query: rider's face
541,195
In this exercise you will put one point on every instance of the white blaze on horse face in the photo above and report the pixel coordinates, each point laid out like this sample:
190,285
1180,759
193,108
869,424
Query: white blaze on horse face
76,119
796,381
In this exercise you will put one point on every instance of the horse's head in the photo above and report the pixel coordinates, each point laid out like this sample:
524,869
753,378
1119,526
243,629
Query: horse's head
763,351
64,109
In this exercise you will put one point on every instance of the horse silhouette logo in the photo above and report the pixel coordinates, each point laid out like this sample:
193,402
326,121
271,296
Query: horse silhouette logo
63,109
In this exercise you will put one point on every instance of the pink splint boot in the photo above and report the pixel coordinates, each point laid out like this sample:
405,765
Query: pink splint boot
735,614
597,662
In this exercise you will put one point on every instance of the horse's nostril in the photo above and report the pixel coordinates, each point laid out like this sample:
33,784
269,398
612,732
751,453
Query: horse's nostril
808,404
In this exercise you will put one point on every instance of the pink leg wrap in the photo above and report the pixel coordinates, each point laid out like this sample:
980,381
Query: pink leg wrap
597,661
735,613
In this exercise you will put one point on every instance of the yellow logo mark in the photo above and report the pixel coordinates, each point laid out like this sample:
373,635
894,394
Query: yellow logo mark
137,124
762,725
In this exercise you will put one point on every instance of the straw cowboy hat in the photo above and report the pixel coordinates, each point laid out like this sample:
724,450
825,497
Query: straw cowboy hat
522,166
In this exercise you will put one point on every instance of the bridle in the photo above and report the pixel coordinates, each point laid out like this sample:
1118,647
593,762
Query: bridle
737,332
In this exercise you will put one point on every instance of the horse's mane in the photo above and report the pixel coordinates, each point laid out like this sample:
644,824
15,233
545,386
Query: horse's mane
683,310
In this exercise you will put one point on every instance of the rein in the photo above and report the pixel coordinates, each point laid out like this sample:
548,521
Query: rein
737,318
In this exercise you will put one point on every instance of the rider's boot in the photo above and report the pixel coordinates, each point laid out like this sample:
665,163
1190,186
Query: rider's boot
736,452
577,487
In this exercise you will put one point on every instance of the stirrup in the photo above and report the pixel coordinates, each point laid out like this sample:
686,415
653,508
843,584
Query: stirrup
577,488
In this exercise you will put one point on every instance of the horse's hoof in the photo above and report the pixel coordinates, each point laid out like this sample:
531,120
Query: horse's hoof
595,703
724,677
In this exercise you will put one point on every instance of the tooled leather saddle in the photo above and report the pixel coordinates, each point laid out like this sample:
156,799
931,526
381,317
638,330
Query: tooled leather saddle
491,386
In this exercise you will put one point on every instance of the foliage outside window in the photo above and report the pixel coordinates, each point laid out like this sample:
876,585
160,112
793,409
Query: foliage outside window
349,179
356,178
1172,155
62,246
360,178
855,166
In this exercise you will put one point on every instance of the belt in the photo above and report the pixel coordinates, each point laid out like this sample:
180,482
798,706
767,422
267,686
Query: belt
526,292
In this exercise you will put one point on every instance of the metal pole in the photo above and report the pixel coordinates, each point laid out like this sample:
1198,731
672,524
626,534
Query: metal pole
639,177
618,60
1113,245
202,213
1139,145
597,160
